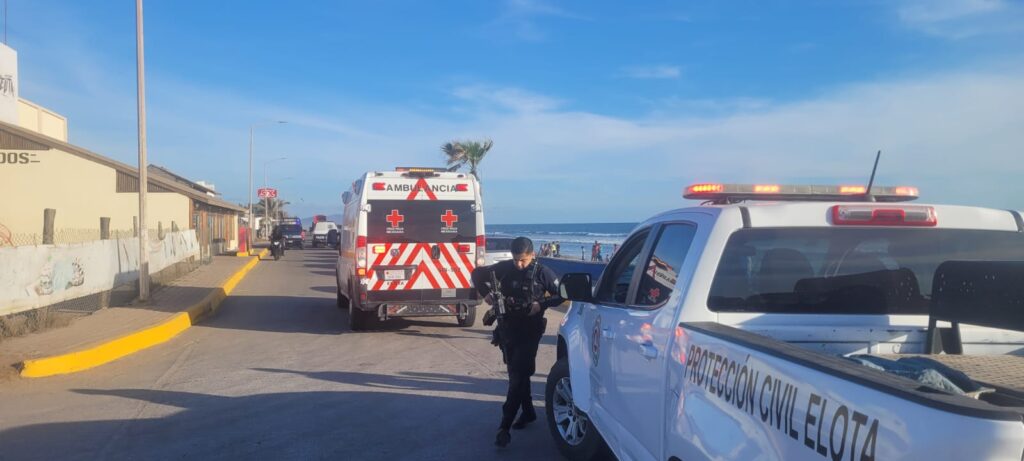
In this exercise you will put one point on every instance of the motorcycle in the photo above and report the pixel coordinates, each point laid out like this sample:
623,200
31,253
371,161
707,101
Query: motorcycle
276,249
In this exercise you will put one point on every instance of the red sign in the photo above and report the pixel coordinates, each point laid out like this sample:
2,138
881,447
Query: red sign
266,192
395,218
449,219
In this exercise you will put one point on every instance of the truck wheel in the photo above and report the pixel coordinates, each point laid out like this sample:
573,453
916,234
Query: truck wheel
470,319
575,437
342,301
358,319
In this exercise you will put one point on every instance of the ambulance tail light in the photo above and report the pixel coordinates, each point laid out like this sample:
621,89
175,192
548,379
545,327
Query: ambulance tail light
481,250
379,186
361,256
464,248
867,215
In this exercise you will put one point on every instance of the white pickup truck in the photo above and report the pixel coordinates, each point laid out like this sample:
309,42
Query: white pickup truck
798,323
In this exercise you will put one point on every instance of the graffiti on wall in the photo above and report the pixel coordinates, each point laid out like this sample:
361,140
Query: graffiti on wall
59,275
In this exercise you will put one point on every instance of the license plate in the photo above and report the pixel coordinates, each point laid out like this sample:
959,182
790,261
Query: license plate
447,292
394,274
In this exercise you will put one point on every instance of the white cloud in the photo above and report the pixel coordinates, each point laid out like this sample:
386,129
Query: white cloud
504,98
653,72
521,18
961,19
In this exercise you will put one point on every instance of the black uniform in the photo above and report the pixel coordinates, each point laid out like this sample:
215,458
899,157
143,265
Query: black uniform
519,334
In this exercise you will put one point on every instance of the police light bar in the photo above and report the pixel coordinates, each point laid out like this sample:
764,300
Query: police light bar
728,193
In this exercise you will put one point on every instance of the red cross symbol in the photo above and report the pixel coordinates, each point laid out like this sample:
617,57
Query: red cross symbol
394,218
449,219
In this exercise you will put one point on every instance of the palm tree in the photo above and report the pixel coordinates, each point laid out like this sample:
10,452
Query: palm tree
461,153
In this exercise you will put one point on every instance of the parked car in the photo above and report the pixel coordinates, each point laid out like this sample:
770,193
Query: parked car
498,249
320,231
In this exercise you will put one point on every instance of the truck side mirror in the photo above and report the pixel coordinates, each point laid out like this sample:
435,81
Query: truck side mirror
345,197
576,287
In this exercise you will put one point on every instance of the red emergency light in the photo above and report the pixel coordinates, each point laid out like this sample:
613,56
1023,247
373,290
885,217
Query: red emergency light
869,215
379,186
462,188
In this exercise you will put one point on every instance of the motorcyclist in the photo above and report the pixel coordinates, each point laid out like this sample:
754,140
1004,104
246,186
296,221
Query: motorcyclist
523,283
277,235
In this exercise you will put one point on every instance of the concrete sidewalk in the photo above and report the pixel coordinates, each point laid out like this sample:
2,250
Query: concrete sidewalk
113,322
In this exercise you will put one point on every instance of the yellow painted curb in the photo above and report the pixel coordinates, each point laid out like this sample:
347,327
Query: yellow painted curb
133,342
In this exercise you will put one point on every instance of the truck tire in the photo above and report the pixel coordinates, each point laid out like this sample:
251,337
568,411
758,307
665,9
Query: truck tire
470,319
574,436
342,301
358,319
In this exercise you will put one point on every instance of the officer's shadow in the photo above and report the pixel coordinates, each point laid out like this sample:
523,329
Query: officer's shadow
406,380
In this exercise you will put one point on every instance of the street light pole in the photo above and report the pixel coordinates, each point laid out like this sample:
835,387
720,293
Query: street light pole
251,217
143,173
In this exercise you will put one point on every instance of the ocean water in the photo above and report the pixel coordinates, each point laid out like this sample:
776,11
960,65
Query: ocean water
575,238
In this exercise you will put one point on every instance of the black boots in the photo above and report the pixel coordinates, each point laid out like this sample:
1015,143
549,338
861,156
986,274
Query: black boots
503,438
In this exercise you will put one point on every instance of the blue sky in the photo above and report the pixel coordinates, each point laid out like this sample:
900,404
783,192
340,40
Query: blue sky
601,111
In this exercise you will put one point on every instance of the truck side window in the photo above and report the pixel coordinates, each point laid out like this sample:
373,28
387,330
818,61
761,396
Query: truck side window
619,273
662,268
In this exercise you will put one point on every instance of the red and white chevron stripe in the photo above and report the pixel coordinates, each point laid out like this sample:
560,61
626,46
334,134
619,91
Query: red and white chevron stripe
451,270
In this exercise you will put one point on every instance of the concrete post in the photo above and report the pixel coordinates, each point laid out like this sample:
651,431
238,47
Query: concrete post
104,228
49,216
160,230
135,226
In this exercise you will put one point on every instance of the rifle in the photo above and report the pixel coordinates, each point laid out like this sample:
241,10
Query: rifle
497,310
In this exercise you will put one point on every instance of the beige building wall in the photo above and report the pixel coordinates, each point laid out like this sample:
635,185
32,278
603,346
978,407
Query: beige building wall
81,191
37,118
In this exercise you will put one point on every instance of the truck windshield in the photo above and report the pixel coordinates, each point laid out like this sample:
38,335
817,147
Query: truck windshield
845,270
421,221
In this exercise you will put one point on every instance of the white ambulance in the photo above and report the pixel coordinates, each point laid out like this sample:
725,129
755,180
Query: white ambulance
410,239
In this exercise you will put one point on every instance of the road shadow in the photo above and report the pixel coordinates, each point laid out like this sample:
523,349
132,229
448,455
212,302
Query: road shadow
282,314
380,423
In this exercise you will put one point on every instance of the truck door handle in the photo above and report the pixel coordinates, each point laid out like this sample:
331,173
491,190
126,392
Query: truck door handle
607,333
648,351
435,252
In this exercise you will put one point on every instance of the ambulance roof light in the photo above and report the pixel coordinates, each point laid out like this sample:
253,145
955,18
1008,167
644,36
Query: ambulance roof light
732,193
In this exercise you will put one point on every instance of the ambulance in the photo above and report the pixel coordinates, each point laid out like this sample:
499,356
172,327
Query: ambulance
410,238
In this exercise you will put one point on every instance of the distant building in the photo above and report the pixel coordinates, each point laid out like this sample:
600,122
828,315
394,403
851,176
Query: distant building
39,172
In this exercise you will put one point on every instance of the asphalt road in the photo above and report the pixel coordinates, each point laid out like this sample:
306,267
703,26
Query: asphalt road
276,374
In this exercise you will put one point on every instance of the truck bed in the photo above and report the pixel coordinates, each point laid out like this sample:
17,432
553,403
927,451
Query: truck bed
1005,373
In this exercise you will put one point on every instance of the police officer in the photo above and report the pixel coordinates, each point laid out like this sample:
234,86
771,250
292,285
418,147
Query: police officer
523,282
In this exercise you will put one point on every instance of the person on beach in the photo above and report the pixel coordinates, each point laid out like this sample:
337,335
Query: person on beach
528,290
595,251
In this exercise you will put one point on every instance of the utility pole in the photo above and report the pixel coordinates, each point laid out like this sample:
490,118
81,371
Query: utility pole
251,216
143,173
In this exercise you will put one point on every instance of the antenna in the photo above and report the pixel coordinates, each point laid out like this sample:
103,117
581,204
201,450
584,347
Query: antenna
871,182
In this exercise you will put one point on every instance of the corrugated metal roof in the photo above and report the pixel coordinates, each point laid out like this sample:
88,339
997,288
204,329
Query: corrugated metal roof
15,137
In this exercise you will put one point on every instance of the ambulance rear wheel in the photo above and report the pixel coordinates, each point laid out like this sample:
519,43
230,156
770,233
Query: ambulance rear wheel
358,319
470,319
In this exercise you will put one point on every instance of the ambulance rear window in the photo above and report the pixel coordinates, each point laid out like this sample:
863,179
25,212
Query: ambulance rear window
421,221
845,270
